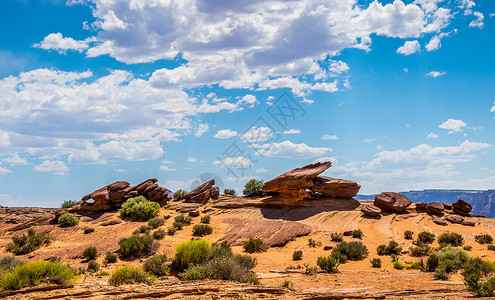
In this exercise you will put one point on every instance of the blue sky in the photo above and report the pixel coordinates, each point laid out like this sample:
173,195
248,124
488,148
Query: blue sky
399,95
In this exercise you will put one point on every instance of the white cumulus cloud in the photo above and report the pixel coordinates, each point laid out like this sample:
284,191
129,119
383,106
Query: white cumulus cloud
257,134
287,149
52,166
453,126
292,131
225,134
234,163
329,137
478,22
435,74
409,47
55,41
433,136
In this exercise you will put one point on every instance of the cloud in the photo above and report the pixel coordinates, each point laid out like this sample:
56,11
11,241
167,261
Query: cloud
15,160
248,99
287,149
263,170
433,136
4,171
493,108
234,163
370,140
225,134
409,47
4,197
256,134
120,170
56,167
435,42
55,41
329,137
454,126
192,159
292,131
164,166
435,74
478,23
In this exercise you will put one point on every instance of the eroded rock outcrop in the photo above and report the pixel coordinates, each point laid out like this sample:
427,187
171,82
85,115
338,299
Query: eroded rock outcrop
203,193
462,208
392,201
371,210
434,208
113,195
292,187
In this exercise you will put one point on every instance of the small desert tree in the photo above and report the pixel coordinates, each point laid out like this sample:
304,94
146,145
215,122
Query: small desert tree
253,188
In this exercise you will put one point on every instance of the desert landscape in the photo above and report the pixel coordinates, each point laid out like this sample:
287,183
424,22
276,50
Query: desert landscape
297,212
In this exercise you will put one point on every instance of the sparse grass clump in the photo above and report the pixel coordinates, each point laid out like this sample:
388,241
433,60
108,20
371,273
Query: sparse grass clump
28,242
425,237
376,263
357,234
139,209
183,219
205,219
468,247
7,263
142,229
450,238
156,265
68,203
179,194
156,222
297,255
110,258
391,249
159,234
312,243
229,192
93,266
68,220
483,239
128,274
328,264
255,245
336,237
34,273
253,188
137,246
202,230
420,250
178,225
398,265
350,251
171,230
90,253
408,234
491,247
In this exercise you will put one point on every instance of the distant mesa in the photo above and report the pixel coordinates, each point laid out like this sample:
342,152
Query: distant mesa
113,195
294,186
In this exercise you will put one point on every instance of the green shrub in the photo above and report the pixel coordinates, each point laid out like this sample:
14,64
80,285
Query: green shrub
468,247
229,192
491,247
397,265
183,219
34,273
90,253
202,230
139,209
357,234
420,250
137,246
171,230
351,251
475,278
68,203
159,234
408,234
7,263
254,245
68,220
415,266
328,264
110,258
142,229
28,242
253,188
156,222
205,219
336,237
103,273
425,237
446,261
93,266
287,284
312,243
391,249
297,255
450,238
156,265
128,274
190,252
376,263
179,194
178,225
484,239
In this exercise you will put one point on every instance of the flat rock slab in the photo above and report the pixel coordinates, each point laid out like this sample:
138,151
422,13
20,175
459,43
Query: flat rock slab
274,233
439,221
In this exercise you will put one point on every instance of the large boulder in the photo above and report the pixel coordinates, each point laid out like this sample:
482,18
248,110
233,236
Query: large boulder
455,219
393,202
434,208
371,210
439,220
203,193
335,188
462,207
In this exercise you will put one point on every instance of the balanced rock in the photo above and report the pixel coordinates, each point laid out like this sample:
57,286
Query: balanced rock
202,193
335,188
439,221
434,208
371,210
462,207
421,204
447,205
391,201
455,219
